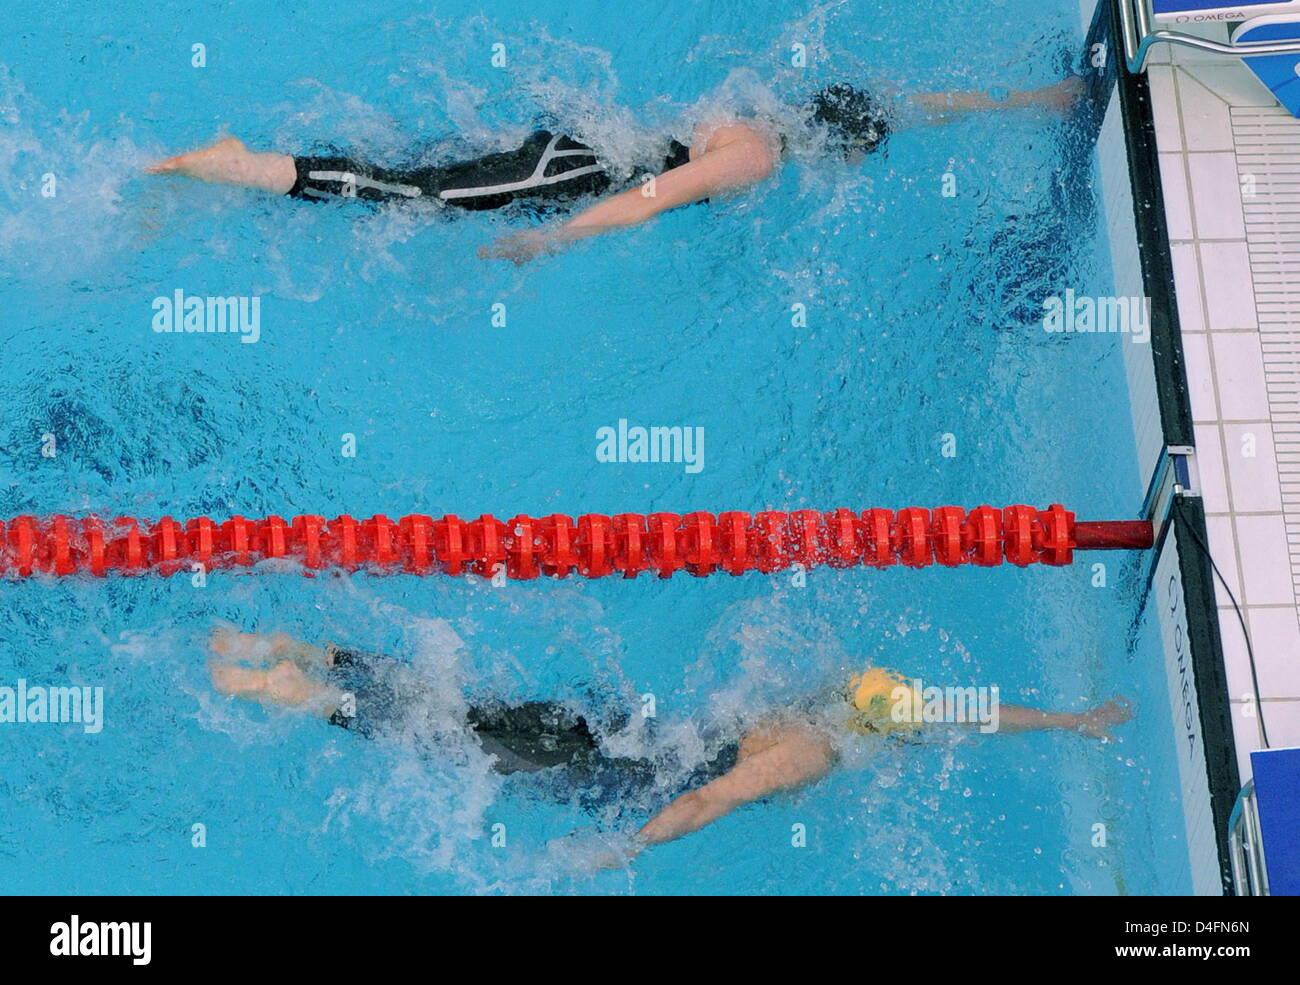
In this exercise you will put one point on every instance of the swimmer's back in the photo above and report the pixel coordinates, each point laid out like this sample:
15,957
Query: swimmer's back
549,168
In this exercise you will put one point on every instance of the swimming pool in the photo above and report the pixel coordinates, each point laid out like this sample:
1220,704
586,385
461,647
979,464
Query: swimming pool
923,321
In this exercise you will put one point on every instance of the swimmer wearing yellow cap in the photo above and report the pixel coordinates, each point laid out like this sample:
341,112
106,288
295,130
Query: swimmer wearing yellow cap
789,752
874,697
784,751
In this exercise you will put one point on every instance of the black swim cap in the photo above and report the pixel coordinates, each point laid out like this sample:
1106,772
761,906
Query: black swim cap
859,123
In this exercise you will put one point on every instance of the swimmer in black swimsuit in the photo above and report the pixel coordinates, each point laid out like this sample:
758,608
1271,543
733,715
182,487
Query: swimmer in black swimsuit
374,696
370,695
557,171
548,168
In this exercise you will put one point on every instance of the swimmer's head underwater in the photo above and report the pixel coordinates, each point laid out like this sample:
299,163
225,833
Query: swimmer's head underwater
857,122
783,751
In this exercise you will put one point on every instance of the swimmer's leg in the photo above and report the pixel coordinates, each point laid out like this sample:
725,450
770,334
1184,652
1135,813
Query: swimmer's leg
284,685
229,162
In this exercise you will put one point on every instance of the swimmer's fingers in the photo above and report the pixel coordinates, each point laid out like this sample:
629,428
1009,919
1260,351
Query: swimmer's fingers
505,251
610,860
1094,728
1065,95
1119,710
589,851
518,248
1098,722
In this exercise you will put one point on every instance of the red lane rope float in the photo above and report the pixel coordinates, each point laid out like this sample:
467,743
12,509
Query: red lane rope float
593,545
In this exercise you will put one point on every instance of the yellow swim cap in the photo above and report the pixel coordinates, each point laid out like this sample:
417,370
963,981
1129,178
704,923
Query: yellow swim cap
871,695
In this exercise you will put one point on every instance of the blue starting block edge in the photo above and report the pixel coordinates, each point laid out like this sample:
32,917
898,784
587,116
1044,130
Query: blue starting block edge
1281,73
1277,799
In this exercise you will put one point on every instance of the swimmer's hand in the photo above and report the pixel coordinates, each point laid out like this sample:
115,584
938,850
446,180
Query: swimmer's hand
1097,722
1065,95
519,248
589,851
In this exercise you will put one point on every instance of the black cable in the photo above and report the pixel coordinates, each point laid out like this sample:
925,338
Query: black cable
1241,618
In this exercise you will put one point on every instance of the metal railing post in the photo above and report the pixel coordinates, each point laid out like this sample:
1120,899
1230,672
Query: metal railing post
1246,846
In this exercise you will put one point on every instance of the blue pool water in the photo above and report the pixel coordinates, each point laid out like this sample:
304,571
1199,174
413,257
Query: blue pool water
922,322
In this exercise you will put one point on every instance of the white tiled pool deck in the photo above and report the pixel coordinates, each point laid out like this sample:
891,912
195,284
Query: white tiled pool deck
1230,166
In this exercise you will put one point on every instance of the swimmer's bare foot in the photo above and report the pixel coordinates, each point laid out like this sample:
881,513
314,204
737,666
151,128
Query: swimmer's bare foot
263,649
225,161
256,648
1098,721
283,684
229,162
234,680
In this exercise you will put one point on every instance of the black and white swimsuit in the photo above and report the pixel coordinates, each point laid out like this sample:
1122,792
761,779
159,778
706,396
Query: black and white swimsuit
547,167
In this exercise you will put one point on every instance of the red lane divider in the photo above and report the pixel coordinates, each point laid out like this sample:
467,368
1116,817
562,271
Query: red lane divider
593,545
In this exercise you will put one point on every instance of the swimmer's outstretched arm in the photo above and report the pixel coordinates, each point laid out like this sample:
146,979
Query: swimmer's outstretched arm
783,757
1095,722
736,156
942,107
771,760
